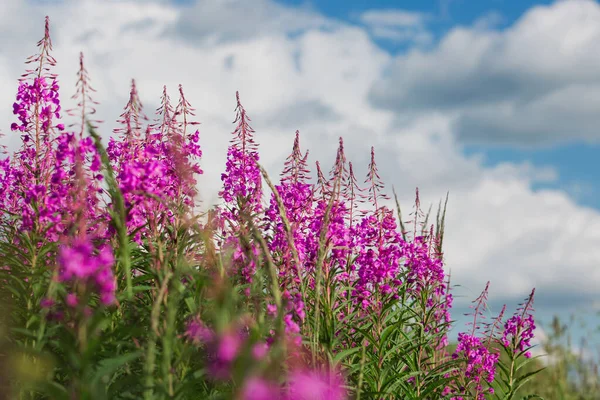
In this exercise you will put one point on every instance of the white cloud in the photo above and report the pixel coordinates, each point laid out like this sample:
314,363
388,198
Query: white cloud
536,82
318,80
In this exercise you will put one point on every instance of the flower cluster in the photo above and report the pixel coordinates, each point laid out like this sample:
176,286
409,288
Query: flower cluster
478,358
518,329
480,361
75,185
81,263
221,350
27,176
39,97
303,385
379,251
242,182
157,170
296,195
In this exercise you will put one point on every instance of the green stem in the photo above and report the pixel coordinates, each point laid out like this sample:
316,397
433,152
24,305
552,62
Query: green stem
154,333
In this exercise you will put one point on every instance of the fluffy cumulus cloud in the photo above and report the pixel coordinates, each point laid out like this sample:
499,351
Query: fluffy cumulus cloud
296,69
535,83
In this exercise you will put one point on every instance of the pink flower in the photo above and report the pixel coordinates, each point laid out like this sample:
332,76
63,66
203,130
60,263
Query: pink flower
78,262
46,303
259,389
198,332
271,310
260,350
229,347
72,300
310,385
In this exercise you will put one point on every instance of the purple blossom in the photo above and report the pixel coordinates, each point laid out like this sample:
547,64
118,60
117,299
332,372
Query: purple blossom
518,329
198,332
158,170
242,182
311,385
480,362
260,389
81,262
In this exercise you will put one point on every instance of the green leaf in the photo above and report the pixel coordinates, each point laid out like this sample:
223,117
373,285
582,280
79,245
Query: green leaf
520,381
345,353
53,390
109,366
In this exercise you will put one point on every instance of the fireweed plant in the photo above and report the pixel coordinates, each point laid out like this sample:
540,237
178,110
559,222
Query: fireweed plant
116,286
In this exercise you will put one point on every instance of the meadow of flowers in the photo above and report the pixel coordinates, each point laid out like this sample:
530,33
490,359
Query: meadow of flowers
116,285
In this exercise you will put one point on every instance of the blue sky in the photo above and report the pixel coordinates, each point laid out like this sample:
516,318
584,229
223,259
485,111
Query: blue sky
495,101
446,12
443,14
577,164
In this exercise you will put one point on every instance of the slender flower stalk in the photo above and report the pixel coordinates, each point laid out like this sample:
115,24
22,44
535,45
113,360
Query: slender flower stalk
85,103
480,361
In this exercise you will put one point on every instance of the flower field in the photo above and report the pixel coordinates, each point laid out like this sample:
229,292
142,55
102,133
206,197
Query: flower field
116,284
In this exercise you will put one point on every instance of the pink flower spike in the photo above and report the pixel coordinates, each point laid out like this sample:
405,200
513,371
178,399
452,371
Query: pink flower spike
72,300
228,347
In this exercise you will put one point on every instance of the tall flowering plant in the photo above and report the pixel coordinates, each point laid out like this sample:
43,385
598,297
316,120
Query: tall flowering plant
28,176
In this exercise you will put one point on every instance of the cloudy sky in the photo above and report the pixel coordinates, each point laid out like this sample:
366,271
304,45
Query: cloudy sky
495,101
